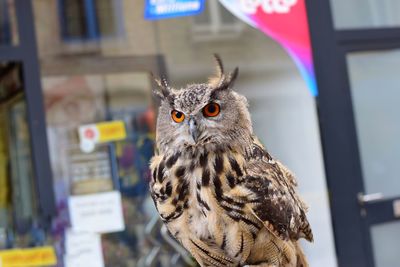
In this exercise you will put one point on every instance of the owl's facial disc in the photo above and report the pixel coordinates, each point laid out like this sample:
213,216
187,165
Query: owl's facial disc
209,115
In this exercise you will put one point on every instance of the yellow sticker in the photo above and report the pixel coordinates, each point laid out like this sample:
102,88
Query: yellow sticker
111,131
103,132
41,256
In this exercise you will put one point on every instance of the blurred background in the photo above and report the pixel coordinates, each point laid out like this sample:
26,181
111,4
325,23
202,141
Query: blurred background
69,63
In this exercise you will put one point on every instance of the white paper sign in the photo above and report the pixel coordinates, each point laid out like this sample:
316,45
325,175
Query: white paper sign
82,248
96,213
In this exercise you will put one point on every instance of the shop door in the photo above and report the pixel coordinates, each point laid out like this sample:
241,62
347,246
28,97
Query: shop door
357,58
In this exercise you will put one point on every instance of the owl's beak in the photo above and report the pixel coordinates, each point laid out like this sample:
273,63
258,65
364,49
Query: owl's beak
193,131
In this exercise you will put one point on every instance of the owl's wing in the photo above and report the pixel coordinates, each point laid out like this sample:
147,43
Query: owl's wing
276,202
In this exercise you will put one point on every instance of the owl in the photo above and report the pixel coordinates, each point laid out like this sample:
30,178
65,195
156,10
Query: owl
217,189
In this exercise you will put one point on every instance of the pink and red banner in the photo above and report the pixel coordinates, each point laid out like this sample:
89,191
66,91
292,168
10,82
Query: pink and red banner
286,22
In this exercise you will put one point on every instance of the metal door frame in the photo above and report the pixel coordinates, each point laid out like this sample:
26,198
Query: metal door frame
25,53
338,131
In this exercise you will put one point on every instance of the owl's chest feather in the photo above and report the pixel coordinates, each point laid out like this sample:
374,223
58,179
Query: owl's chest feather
200,197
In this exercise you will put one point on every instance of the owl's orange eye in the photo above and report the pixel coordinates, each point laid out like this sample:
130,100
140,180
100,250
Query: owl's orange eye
211,110
177,116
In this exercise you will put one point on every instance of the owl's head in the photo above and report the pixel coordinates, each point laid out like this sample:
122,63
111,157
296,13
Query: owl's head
206,115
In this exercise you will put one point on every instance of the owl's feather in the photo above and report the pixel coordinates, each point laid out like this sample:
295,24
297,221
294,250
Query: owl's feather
278,206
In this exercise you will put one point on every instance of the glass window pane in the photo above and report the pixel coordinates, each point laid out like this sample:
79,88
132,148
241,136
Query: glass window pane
17,182
365,13
8,23
375,92
204,17
385,243
227,16
105,17
74,18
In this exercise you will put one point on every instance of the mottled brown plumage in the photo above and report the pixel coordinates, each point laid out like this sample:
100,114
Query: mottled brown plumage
220,193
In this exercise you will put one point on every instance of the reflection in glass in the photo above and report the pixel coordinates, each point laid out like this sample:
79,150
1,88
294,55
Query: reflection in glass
365,13
17,188
21,168
204,17
75,100
8,23
74,18
105,17
89,172
215,23
385,243
374,79
87,20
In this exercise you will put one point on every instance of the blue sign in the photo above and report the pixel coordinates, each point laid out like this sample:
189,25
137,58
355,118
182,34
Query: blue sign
162,9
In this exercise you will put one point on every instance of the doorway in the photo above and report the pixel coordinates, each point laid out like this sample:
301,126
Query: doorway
357,58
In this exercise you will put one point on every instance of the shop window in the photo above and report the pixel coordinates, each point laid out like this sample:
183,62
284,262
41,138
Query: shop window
17,182
89,20
5,35
216,23
8,26
360,14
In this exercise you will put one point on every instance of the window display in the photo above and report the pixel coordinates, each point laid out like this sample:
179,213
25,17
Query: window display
22,180
73,101
87,20
19,212
90,172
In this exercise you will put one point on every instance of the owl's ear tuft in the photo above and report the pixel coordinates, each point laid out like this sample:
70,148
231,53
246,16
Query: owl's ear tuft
220,65
232,77
163,90
217,80
222,81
